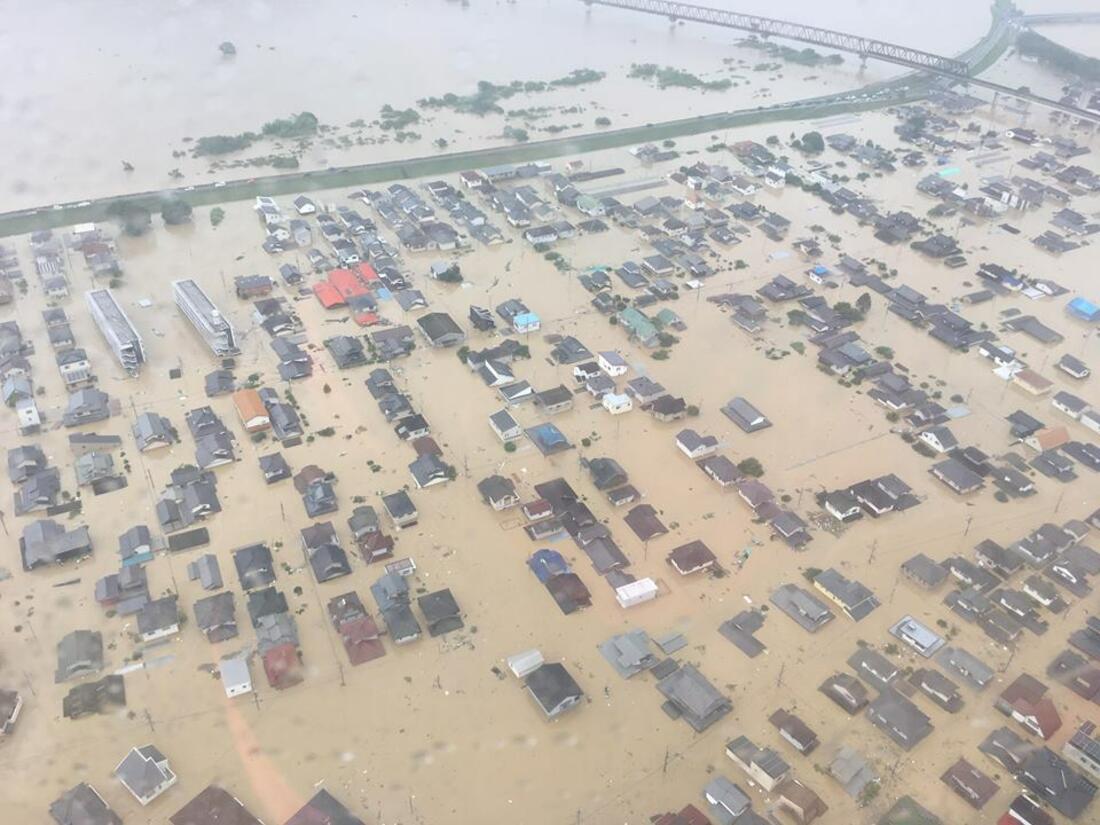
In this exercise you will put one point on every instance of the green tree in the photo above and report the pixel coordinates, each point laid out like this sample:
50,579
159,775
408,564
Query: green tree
217,215
175,211
863,303
134,218
751,467
813,143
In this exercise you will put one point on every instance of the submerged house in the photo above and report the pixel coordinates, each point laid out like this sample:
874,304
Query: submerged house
553,688
145,773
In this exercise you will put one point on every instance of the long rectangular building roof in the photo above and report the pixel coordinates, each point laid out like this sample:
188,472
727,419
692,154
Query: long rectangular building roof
205,316
117,328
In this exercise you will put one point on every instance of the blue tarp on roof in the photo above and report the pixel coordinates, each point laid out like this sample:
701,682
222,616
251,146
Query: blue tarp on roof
546,564
548,438
1084,309
525,320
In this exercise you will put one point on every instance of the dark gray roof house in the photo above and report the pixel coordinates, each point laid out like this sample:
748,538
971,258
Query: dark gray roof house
214,806
400,508
924,571
391,593
136,541
957,476
24,462
38,492
745,415
1050,776
79,653
429,469
628,653
219,382
322,809
45,542
363,521
94,697
82,805
809,612
255,566
606,473
498,492
319,497
152,431
265,603
937,687
323,551
159,618
852,597
144,772
794,730
86,406
346,351
216,616
274,467
873,667
847,691
206,571
899,718
441,612
440,329
189,497
964,664
689,694
554,400
729,805
553,689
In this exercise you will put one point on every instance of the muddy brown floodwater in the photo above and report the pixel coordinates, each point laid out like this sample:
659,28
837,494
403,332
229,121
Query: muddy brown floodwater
428,734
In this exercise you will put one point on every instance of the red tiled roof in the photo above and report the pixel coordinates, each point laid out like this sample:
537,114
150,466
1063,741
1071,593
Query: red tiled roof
282,667
360,637
367,273
347,283
328,295
1045,714
366,319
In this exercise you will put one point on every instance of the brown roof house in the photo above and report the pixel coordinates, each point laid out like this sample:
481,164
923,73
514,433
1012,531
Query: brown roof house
794,730
969,783
692,558
1025,700
358,630
214,806
324,809
799,801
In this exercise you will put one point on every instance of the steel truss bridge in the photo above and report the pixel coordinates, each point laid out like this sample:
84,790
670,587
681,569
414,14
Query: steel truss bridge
958,70
1060,19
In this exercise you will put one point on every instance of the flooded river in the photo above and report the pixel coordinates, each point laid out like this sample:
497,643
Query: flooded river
90,87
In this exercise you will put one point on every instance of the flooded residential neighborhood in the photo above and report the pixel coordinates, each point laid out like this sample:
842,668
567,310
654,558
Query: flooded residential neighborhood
746,475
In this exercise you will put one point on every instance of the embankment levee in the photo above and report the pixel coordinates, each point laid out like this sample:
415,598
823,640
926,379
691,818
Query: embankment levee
904,89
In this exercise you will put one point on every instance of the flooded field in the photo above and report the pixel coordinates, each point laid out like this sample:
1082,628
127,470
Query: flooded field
71,126
429,733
